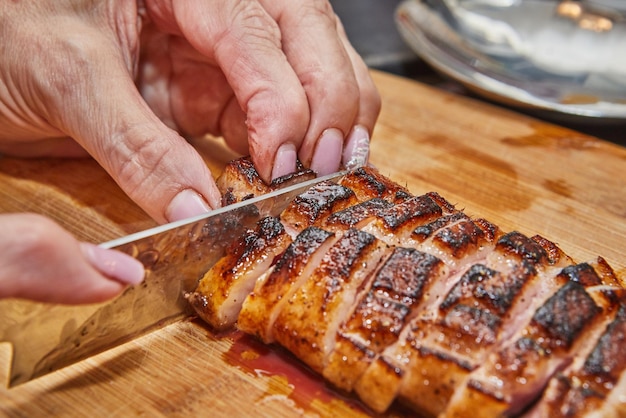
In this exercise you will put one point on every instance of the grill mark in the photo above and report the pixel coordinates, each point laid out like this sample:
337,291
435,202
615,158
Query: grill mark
316,203
367,183
396,292
564,315
517,244
353,215
419,208
311,316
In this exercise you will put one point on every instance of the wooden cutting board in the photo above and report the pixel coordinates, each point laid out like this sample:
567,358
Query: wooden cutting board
515,171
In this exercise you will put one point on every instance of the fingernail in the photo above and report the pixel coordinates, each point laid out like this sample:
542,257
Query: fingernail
285,161
114,264
186,204
357,149
327,156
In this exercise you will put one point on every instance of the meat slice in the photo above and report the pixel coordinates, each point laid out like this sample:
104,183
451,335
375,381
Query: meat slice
590,386
309,320
314,205
515,375
456,239
240,180
277,285
358,215
367,183
398,290
222,290
468,315
395,224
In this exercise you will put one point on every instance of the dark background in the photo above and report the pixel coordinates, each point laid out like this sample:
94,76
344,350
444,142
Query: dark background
371,29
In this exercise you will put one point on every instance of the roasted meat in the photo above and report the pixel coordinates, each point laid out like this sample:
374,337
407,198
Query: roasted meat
403,298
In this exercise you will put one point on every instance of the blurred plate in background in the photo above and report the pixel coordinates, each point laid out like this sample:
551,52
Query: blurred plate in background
566,58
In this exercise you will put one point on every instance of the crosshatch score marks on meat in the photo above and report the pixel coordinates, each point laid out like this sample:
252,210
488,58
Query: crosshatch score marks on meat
403,298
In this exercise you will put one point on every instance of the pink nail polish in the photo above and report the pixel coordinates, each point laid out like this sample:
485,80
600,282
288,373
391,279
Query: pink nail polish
285,161
186,204
327,156
356,151
114,264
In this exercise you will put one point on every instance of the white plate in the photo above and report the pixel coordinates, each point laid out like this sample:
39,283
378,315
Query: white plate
539,63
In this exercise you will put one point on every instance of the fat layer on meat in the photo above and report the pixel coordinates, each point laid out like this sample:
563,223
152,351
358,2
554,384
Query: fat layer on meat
405,298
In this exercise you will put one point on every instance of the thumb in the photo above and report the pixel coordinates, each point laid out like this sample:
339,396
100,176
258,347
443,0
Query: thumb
154,165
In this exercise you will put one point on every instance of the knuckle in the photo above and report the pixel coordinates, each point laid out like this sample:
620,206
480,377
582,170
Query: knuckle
249,22
135,162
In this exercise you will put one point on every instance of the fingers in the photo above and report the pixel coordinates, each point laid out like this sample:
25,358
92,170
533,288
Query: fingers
343,100
303,89
245,42
318,56
41,261
356,148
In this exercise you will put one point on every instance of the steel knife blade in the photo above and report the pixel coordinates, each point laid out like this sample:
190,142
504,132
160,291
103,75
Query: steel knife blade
47,337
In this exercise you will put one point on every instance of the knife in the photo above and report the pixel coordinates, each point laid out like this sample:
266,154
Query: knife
48,337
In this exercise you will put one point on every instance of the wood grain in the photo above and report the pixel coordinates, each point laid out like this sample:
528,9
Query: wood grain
517,172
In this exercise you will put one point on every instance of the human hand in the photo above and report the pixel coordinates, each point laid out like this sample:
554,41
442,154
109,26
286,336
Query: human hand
47,264
276,78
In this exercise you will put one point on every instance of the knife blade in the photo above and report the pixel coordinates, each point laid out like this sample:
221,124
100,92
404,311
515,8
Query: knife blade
46,337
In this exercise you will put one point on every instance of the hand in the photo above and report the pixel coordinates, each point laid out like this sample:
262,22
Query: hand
275,78
46,263
122,82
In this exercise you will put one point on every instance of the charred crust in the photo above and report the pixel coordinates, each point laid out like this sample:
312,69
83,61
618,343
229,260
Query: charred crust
490,231
553,252
565,314
486,287
517,244
405,273
580,273
448,358
270,228
606,273
423,232
459,238
371,181
320,199
352,215
443,203
299,251
608,359
401,195
379,319
228,197
341,258
300,175
246,168
373,184
477,322
417,208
